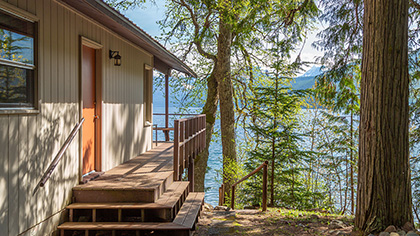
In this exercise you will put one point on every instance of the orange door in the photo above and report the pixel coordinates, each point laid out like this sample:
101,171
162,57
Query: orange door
89,110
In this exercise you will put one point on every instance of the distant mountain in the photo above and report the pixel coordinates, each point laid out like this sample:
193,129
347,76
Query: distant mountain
159,97
307,80
314,71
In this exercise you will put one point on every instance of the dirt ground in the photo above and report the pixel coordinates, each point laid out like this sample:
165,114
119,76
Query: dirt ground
275,221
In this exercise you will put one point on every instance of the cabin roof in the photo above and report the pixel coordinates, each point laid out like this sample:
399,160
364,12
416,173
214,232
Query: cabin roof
98,10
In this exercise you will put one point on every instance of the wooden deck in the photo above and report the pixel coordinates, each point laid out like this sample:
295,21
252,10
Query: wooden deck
142,179
136,197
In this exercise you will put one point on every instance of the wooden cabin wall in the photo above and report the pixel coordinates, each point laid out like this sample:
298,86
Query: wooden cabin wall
28,142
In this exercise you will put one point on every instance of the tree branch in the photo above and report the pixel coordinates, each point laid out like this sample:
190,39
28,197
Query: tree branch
197,36
291,15
415,4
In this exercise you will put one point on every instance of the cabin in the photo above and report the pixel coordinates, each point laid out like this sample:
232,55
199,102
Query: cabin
76,126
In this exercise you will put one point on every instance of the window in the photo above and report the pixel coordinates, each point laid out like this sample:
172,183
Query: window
148,93
17,62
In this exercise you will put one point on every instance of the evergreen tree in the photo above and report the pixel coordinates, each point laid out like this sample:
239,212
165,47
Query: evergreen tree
384,187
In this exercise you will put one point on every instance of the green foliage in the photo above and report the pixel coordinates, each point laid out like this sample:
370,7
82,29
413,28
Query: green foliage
126,4
191,28
277,141
274,136
336,149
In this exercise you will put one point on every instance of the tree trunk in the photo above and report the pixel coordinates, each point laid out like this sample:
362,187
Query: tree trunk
227,113
384,190
351,164
210,109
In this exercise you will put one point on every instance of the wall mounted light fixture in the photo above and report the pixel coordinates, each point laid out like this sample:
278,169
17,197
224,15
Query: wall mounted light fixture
116,56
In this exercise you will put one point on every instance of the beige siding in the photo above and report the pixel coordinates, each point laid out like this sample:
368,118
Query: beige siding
28,143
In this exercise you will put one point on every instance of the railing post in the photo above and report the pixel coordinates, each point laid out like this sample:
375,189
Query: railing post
156,133
220,196
204,133
176,150
264,197
181,159
167,105
232,201
191,173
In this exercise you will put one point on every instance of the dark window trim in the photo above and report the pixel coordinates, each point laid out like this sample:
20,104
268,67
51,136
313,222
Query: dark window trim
17,64
23,108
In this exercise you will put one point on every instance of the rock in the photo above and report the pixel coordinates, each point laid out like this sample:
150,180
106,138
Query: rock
314,217
302,225
208,207
408,227
411,233
222,208
390,229
251,207
336,224
340,233
401,233
394,234
384,234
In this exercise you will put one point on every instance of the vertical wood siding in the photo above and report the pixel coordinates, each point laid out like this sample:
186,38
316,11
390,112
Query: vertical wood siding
28,143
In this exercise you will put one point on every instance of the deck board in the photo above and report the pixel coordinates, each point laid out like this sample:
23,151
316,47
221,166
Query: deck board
121,226
150,172
190,210
166,201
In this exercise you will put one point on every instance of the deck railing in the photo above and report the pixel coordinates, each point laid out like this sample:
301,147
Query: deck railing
166,129
189,141
264,187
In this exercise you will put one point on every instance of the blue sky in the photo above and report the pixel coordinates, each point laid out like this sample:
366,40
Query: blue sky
147,17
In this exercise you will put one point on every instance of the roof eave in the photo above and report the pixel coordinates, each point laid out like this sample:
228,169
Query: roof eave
128,27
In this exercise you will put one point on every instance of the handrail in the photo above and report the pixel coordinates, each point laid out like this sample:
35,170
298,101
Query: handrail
167,129
264,200
174,114
59,155
189,141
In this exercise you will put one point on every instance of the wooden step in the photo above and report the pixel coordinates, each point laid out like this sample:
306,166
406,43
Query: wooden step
182,224
147,187
142,179
165,208
190,211
166,228
120,226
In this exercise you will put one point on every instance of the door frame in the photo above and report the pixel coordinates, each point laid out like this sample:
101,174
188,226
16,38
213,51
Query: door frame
83,41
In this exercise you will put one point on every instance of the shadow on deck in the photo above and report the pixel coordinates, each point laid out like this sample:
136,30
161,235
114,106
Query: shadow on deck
144,178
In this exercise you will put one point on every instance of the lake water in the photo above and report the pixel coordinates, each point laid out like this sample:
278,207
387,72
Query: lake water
213,179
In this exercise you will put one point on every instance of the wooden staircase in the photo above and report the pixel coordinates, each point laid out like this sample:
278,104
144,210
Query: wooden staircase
137,198
175,212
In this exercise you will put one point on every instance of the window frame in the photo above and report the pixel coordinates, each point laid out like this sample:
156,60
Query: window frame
25,16
148,95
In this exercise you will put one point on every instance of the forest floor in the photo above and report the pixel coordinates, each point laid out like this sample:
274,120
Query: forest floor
275,221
